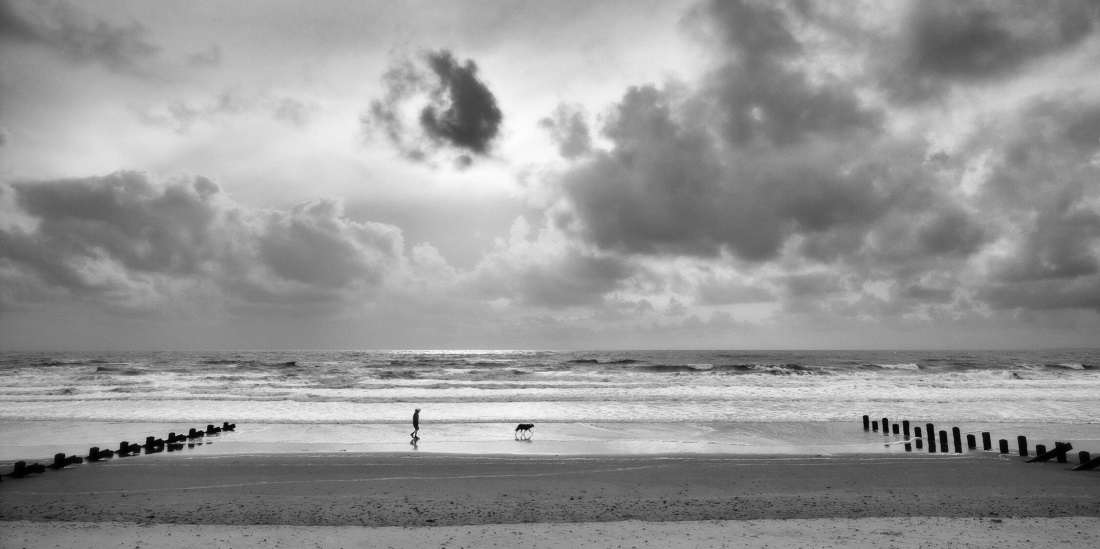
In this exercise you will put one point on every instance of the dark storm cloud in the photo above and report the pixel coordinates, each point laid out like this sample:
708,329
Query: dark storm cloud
568,128
1045,181
77,37
457,110
946,41
762,160
134,235
669,186
463,112
758,95
755,154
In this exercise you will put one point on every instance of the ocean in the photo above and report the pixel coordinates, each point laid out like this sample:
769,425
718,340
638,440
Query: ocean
580,401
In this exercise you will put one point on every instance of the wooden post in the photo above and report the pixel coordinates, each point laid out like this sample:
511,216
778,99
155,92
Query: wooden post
1090,464
956,435
20,470
1083,457
1004,446
1022,441
931,442
59,461
943,441
896,428
1059,451
908,447
885,426
920,440
905,429
971,442
874,426
987,442
866,422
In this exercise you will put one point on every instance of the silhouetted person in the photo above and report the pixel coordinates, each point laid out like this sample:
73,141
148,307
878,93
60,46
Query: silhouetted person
416,423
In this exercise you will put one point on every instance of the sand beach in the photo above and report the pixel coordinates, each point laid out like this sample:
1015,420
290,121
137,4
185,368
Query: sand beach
422,499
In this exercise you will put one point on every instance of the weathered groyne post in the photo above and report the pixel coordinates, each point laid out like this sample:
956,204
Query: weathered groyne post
905,428
1004,446
1022,442
866,422
874,426
943,440
919,439
59,461
987,442
896,428
971,442
1090,464
21,470
885,426
956,436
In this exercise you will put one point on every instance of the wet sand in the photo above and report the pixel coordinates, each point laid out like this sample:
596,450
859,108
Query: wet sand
415,494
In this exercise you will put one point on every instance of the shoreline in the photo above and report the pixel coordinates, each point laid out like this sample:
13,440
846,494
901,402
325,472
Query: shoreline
40,440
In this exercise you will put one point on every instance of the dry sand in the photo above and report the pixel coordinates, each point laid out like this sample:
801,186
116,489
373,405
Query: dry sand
900,533
414,500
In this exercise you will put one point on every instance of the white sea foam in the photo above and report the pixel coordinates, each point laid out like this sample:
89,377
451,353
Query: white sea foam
685,387
899,366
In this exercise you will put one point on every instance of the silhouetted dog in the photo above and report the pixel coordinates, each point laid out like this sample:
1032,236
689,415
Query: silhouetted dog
524,428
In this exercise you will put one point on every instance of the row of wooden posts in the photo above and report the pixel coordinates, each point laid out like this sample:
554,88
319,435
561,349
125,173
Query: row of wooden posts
1041,453
125,449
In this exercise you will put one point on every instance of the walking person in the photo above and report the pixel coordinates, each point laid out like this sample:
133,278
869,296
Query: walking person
416,423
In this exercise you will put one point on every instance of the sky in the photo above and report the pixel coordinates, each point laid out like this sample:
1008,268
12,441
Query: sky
549,175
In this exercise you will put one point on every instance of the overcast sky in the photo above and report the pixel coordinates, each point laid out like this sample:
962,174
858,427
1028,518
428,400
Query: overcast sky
566,174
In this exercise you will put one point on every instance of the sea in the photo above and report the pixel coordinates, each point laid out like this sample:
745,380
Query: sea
581,402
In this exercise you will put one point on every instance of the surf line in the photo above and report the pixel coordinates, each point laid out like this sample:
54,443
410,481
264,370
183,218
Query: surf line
318,481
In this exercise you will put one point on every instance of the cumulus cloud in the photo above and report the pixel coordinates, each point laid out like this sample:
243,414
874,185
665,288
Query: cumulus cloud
796,173
77,37
1042,188
454,108
946,42
545,270
568,128
147,238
